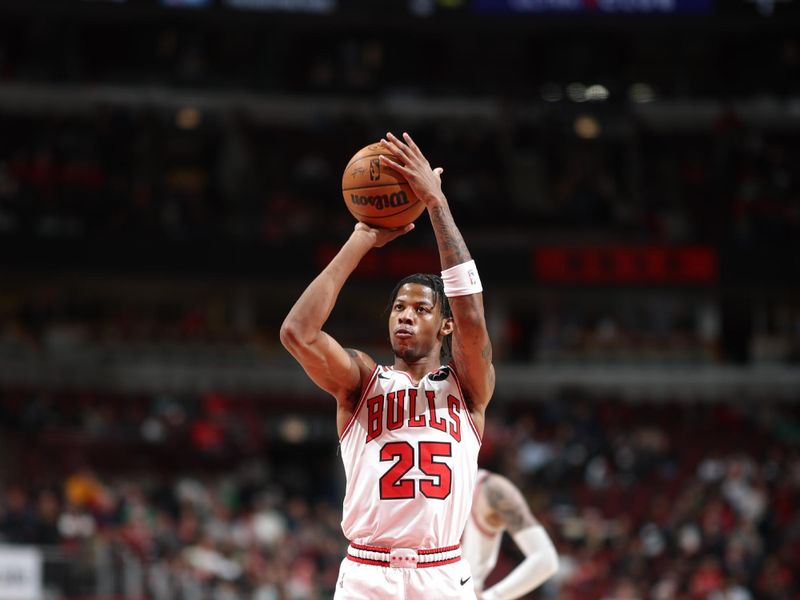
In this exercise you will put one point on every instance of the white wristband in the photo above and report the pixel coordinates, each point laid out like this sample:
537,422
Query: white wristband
461,280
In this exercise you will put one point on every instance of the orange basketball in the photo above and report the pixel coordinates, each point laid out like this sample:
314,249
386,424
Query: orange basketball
376,195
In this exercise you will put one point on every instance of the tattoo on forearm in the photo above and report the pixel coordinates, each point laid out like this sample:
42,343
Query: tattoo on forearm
510,508
452,249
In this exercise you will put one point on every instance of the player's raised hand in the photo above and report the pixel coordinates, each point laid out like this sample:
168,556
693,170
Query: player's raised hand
381,237
425,182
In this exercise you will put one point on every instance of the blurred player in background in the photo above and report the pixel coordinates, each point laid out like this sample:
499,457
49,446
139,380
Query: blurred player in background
499,506
410,432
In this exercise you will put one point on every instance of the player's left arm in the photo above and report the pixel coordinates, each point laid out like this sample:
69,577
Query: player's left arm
472,348
541,559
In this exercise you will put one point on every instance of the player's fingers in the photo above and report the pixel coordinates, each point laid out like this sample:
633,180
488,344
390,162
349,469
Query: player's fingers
398,232
390,164
438,171
390,146
395,149
397,146
387,236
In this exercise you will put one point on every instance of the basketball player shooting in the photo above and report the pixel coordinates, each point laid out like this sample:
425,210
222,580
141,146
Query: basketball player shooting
499,506
409,432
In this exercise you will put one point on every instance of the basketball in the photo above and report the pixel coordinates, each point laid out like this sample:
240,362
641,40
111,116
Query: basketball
376,195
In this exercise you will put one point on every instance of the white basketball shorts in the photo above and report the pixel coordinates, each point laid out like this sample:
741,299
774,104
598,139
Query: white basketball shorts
358,581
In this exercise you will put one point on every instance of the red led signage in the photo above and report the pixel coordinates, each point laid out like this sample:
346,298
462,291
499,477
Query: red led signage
625,264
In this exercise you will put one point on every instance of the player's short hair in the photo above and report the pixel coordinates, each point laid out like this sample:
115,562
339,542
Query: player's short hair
429,280
434,282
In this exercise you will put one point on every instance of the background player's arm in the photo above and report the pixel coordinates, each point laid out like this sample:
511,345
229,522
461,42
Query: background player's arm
508,508
472,349
336,370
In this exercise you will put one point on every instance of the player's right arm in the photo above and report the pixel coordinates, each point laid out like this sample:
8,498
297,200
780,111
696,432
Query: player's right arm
339,372
472,348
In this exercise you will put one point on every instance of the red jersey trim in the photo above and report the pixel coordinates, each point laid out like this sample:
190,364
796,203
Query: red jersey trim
371,548
386,562
353,417
437,550
439,563
480,528
380,563
384,550
366,561
464,403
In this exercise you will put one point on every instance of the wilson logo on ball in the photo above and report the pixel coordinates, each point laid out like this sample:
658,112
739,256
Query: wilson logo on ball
382,201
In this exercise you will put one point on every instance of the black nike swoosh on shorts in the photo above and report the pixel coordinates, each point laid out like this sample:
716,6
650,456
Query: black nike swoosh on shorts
382,376
463,581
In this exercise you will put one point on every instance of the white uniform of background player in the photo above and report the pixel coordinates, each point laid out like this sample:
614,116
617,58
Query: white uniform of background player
499,506
409,433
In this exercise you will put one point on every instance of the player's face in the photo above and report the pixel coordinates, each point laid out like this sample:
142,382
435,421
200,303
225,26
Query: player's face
416,325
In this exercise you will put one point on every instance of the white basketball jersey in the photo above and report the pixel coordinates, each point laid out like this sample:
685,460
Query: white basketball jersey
410,455
480,544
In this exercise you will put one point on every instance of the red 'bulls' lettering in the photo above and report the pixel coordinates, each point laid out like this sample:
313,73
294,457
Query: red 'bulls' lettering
394,409
414,420
374,416
393,412
434,422
454,410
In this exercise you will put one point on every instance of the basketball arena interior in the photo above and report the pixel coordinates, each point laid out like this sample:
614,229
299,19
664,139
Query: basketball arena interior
626,174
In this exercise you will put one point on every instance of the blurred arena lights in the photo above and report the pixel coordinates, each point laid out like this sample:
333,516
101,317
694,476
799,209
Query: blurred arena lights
767,7
597,93
576,92
186,3
188,117
421,8
641,93
289,6
294,430
586,127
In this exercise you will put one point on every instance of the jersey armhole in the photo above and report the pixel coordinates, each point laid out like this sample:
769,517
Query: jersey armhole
464,402
357,409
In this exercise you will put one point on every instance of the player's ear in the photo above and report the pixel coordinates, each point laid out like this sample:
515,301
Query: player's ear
447,327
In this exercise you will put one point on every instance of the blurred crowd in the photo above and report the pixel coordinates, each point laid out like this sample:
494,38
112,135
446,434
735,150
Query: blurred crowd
271,53
159,170
240,321
650,502
186,176
662,502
